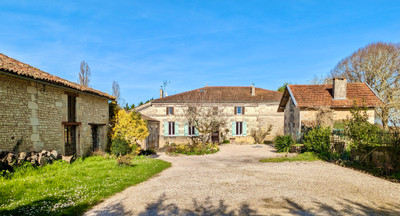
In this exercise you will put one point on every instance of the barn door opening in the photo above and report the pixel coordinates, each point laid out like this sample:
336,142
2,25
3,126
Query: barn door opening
70,139
95,137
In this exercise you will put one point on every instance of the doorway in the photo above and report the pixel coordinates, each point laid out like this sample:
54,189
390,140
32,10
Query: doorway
215,137
70,140
95,137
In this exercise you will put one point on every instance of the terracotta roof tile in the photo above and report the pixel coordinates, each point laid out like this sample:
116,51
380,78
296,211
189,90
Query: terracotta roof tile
16,67
222,94
307,96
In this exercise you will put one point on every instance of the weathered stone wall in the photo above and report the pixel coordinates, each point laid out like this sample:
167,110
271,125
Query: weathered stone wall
91,110
292,119
31,113
256,114
338,114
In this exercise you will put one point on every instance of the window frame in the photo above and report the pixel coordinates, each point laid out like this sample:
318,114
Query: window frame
241,108
191,130
171,129
170,110
239,128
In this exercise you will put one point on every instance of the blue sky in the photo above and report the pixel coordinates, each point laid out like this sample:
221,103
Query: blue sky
140,44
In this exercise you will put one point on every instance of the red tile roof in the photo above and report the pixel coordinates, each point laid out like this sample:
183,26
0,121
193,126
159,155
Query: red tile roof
309,96
16,67
222,94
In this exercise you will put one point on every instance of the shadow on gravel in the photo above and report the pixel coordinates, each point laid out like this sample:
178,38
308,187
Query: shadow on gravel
112,210
346,207
206,208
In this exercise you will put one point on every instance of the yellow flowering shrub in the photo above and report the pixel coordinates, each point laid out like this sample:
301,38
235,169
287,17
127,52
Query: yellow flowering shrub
130,127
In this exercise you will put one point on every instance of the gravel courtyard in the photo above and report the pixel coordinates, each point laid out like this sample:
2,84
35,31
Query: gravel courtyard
233,182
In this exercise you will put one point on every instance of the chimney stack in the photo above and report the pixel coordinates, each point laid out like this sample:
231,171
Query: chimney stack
161,93
253,90
339,88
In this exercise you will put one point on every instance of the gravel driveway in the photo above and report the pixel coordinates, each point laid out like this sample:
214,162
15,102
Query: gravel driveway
233,182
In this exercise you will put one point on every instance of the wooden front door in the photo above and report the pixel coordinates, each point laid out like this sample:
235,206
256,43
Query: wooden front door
215,137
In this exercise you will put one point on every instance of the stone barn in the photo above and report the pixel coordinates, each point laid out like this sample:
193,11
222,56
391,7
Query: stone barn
300,103
42,111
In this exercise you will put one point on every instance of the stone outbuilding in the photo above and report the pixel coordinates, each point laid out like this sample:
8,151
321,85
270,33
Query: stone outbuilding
42,111
300,103
245,108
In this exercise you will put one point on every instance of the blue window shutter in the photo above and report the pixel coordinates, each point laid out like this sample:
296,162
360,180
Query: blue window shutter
196,132
244,129
165,128
176,128
186,129
233,128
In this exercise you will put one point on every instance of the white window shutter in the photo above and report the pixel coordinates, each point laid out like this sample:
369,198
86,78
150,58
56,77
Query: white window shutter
244,128
233,128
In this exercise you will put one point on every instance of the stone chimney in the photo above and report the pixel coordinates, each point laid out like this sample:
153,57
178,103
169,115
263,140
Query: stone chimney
339,88
161,93
253,90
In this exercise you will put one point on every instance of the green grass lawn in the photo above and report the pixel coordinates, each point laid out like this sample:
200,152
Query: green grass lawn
306,156
70,189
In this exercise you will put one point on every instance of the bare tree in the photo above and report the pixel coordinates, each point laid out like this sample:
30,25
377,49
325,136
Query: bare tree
116,91
84,74
260,133
207,118
319,80
378,65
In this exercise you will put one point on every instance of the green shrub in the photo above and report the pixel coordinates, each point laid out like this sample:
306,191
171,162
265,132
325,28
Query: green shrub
283,143
226,142
339,125
196,149
120,147
318,140
362,133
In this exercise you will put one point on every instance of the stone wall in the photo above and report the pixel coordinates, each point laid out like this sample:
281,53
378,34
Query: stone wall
256,114
31,115
294,116
338,114
292,119
91,110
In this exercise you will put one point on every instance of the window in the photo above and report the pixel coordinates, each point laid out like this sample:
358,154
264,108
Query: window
192,130
239,128
170,110
239,110
71,108
171,128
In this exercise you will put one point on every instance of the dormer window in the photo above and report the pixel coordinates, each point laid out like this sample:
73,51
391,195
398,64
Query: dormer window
170,110
239,110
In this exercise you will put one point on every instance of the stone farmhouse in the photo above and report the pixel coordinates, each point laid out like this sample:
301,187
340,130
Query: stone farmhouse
299,103
246,108
41,111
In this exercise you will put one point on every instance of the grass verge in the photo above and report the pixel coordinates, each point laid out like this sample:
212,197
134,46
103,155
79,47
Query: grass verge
306,156
71,189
